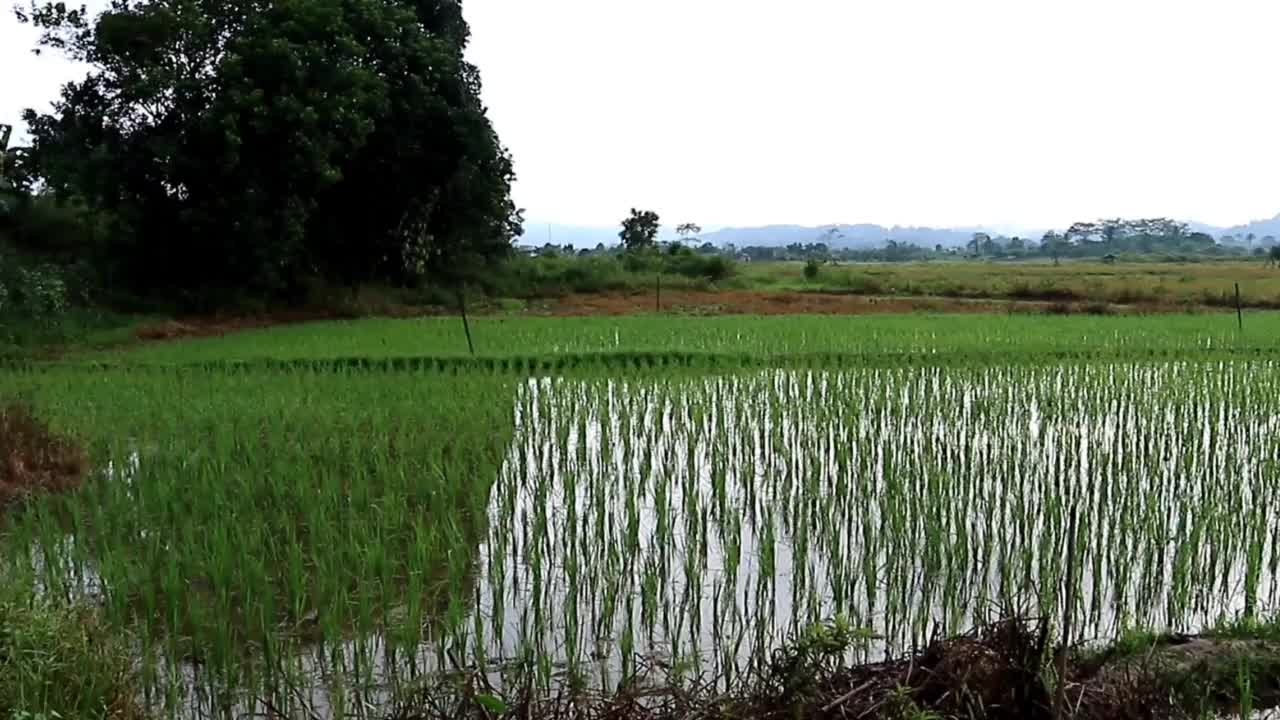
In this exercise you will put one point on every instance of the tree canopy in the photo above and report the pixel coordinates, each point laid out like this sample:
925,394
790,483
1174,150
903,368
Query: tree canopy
240,145
640,229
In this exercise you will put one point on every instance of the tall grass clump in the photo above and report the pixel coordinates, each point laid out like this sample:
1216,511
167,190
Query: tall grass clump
59,661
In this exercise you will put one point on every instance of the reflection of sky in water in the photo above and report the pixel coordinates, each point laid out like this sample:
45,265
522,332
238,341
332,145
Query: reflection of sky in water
706,518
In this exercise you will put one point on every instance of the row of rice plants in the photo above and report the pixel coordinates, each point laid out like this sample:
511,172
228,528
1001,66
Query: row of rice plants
1008,336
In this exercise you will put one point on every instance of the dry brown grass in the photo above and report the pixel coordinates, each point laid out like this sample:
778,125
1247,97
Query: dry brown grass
33,459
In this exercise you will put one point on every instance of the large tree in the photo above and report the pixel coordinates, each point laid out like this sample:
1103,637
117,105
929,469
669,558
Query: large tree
640,230
241,144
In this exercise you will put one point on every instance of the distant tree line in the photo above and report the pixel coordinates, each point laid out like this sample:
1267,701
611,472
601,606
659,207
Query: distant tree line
1102,240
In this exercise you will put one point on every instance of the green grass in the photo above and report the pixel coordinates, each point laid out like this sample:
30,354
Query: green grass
77,330
62,661
1010,336
1156,284
1247,628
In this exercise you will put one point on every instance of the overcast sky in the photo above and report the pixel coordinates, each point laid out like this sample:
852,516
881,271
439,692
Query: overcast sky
745,112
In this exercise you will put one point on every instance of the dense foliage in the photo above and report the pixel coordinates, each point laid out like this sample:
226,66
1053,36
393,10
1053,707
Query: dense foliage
552,274
241,146
640,229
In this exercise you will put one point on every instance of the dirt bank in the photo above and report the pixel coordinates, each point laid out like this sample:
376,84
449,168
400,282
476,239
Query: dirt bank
33,459
679,302
1004,671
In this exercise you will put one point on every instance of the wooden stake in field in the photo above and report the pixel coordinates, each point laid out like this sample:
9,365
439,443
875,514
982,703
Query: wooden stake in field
1239,311
657,302
466,326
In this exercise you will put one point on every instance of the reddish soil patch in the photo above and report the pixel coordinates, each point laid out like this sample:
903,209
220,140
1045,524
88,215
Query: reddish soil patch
216,326
33,459
747,302
688,302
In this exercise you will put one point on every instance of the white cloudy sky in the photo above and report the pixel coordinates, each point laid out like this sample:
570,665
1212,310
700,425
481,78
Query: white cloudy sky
739,112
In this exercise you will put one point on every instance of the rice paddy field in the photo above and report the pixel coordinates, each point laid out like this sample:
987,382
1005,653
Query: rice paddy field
287,519
507,341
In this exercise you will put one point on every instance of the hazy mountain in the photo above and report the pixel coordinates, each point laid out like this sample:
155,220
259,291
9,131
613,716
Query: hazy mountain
580,236
846,236
856,236
1261,228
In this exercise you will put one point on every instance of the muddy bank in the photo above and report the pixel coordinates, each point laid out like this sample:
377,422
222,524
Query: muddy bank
33,459
1004,671
640,302
1187,676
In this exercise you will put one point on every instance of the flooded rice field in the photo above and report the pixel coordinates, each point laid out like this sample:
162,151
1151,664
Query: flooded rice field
705,520
697,521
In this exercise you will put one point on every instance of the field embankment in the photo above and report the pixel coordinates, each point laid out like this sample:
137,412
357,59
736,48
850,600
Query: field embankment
499,339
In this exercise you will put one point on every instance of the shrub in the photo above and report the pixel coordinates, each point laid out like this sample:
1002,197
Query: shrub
524,277
811,269
29,289
709,267
62,232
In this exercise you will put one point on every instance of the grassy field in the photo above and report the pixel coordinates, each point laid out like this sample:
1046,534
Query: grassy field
959,286
762,339
1160,284
279,518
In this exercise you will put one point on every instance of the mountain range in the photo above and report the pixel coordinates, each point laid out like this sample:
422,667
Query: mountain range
1261,228
853,236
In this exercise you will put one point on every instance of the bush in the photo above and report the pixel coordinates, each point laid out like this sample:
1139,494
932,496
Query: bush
30,289
43,303
524,277
62,232
707,267
811,269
